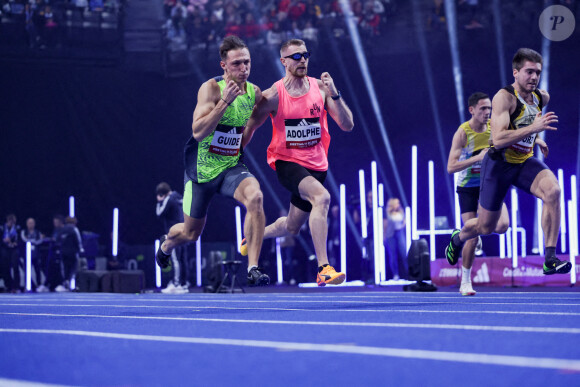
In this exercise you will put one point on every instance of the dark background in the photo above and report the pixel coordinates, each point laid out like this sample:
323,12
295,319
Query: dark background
108,133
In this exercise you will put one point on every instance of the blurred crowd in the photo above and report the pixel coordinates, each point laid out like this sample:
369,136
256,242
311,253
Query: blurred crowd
55,258
44,20
198,23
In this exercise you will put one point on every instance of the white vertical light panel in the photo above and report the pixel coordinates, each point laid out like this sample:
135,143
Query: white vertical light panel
502,245
381,195
115,231
540,236
457,209
198,262
562,212
381,237
29,268
363,203
157,268
279,262
407,228
238,227
571,241
343,228
375,221
514,220
414,235
431,210
71,206
573,229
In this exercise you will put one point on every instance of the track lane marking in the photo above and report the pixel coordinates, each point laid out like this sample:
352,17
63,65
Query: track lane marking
494,328
306,310
458,357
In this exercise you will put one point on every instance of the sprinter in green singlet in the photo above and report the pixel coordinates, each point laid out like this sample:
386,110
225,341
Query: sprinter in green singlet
212,158
470,143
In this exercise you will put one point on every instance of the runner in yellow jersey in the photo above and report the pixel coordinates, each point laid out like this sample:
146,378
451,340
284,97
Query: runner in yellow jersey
516,120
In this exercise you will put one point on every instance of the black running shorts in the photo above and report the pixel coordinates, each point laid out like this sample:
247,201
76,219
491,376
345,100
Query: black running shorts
290,175
497,176
468,199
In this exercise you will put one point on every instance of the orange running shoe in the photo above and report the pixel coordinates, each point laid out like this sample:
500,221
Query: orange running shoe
244,247
330,276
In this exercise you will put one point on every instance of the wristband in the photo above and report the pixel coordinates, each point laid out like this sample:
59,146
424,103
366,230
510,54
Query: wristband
226,102
336,97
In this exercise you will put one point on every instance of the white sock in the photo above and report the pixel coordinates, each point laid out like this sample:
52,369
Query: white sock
251,267
465,275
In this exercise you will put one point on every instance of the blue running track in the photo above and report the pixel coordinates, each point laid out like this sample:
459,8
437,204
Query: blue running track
328,337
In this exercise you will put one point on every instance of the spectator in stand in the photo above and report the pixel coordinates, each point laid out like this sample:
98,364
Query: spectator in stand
30,26
215,29
276,35
9,255
233,25
251,29
310,34
370,20
35,237
296,9
313,13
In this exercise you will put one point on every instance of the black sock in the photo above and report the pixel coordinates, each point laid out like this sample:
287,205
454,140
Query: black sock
456,240
322,267
550,252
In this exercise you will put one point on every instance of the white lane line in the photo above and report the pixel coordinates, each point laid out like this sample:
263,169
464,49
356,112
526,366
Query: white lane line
459,302
460,357
306,310
494,328
25,383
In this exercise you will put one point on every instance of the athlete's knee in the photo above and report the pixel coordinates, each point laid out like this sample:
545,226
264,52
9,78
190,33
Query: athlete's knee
322,200
502,226
486,228
552,193
255,201
191,234
292,229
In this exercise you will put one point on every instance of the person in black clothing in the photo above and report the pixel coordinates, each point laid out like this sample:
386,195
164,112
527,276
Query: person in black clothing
9,257
68,246
170,212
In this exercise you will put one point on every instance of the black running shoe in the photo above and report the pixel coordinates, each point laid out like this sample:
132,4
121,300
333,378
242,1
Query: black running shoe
452,250
555,266
162,259
257,278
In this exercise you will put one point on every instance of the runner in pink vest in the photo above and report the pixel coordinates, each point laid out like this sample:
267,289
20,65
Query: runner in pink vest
298,151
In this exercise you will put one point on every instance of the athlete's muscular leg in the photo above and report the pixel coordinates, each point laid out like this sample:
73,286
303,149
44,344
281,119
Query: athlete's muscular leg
484,224
249,194
183,233
310,189
504,221
287,225
468,252
545,186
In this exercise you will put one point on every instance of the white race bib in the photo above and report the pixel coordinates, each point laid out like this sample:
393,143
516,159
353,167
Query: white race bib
302,133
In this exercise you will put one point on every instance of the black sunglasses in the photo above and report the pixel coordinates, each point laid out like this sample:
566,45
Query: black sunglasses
299,55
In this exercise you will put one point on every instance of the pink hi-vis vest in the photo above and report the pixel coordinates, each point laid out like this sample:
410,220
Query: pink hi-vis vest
300,129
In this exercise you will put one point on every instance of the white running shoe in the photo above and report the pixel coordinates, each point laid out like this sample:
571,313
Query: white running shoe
171,289
466,289
479,247
60,289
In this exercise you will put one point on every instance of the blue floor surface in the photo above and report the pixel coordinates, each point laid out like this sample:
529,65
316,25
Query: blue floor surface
339,338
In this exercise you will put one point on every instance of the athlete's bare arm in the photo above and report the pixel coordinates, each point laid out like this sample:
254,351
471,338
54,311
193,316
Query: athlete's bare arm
211,107
459,141
502,105
337,109
268,104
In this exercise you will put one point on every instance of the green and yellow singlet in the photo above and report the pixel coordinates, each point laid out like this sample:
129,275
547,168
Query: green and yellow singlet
221,150
469,177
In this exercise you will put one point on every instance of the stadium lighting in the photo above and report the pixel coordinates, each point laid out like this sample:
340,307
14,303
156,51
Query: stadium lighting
71,206
115,231
157,268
